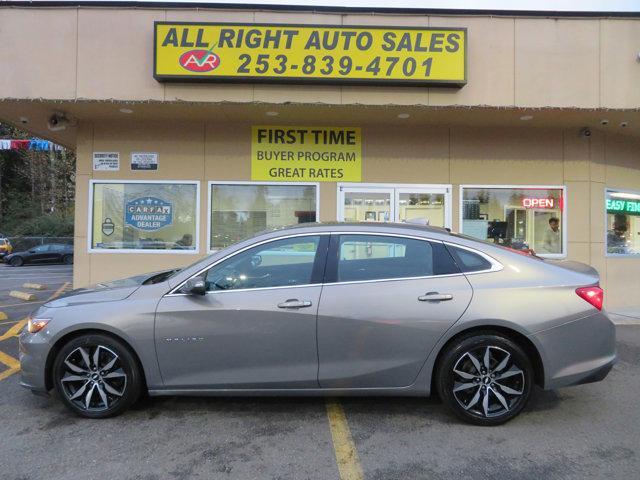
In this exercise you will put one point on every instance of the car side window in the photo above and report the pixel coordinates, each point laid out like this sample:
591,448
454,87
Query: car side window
280,263
373,257
41,248
468,261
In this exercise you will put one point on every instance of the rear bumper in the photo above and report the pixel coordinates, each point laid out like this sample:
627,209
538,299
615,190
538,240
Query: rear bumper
582,351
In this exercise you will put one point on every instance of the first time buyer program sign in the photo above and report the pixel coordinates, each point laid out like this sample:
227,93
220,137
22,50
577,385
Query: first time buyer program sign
313,154
273,53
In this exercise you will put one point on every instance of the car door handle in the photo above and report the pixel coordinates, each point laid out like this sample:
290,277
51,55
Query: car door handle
435,297
294,303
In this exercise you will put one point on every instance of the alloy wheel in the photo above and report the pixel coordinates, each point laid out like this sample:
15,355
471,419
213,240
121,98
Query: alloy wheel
92,378
487,382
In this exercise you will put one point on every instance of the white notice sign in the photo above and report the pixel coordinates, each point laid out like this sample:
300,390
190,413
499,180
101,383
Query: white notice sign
106,161
144,161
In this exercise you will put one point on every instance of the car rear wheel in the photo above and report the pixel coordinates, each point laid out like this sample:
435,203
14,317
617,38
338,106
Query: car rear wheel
485,379
16,262
67,259
96,376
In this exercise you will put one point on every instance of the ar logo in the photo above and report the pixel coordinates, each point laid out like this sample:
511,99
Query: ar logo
199,60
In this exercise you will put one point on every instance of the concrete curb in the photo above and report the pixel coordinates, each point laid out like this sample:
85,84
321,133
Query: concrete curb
34,286
27,297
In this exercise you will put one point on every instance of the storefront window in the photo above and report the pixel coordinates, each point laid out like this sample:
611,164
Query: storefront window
239,211
144,216
529,219
623,223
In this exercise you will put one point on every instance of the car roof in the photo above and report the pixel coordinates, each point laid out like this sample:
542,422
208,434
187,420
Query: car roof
405,228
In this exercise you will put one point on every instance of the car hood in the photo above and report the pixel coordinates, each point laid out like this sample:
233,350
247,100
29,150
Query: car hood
108,291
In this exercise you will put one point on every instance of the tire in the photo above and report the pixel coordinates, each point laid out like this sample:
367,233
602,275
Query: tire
464,382
96,392
67,259
16,262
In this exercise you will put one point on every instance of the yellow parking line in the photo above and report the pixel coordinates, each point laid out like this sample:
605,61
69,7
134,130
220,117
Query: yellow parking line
343,445
15,330
59,291
9,361
8,373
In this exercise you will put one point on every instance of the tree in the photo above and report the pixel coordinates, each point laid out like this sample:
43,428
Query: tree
37,189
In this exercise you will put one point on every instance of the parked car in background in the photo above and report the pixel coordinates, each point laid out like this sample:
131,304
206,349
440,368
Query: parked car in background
50,253
330,309
5,247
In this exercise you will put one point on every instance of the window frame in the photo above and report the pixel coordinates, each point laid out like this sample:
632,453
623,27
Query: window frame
398,188
606,253
331,269
91,249
175,292
211,183
564,215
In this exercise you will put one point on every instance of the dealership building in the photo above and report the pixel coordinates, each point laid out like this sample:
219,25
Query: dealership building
199,124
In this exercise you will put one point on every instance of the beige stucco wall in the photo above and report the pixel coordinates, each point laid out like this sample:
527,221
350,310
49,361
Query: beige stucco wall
106,53
441,155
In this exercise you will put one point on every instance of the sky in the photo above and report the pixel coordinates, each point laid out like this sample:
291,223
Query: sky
530,5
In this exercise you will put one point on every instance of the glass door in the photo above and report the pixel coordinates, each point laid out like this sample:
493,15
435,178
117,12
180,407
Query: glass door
426,204
367,205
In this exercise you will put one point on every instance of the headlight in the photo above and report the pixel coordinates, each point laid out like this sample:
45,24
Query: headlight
36,324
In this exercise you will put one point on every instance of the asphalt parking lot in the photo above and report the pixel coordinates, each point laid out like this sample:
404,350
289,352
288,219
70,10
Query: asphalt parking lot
590,431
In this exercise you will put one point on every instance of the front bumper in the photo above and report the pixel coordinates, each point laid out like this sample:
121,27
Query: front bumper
33,351
582,351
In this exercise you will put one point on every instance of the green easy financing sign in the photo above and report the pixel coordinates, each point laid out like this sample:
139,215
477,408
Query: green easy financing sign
630,207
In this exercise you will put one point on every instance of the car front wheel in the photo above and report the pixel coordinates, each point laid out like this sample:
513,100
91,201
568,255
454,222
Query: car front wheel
67,259
485,379
96,376
16,262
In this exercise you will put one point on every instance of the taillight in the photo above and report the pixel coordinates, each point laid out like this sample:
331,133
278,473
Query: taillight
593,295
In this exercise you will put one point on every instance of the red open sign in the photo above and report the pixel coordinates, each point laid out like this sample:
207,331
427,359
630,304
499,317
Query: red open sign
533,202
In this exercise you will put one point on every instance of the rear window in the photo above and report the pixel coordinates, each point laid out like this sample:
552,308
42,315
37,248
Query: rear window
372,257
468,261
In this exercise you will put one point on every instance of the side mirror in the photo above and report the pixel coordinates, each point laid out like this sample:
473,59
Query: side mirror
32,251
195,286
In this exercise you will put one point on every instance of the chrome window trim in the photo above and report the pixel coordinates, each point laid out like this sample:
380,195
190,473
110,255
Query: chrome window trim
495,265
248,289
173,291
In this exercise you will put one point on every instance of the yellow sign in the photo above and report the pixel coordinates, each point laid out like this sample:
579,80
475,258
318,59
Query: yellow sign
306,154
308,53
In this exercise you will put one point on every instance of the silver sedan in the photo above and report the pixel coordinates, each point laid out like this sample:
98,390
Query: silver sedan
330,309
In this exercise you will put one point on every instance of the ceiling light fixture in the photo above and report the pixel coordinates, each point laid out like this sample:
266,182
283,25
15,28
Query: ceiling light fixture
526,118
403,115
126,110
271,113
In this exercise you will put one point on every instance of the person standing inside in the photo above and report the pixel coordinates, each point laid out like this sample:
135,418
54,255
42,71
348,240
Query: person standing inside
551,240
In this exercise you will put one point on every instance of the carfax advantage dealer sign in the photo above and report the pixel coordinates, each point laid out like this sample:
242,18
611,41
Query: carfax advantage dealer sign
308,53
